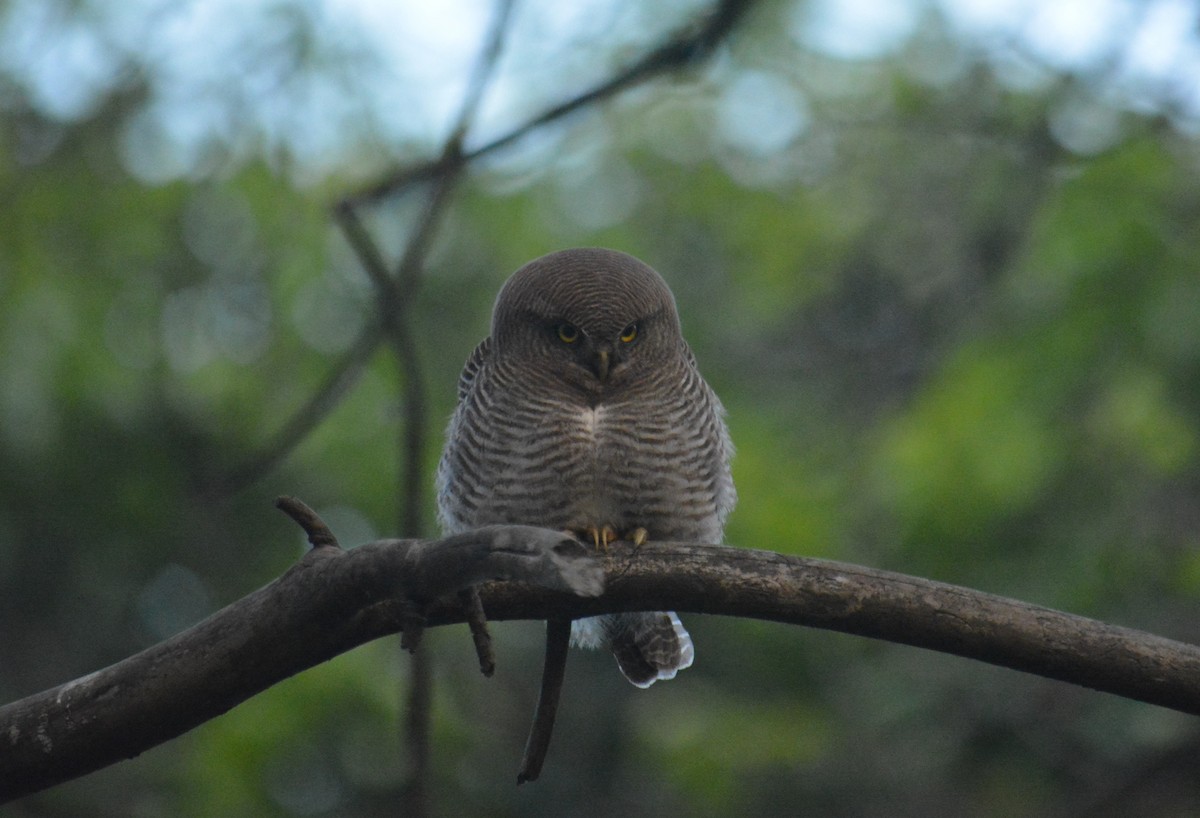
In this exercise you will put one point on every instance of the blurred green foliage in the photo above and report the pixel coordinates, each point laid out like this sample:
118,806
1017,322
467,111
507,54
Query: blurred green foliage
949,295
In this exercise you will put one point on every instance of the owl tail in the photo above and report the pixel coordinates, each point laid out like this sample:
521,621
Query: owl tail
647,646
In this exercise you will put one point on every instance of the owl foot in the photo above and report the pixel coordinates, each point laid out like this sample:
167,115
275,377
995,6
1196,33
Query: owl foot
637,536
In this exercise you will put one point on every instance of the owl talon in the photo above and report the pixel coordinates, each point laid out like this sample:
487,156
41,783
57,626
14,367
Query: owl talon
602,536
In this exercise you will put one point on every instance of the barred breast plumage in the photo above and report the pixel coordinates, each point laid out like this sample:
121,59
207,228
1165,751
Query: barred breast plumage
584,411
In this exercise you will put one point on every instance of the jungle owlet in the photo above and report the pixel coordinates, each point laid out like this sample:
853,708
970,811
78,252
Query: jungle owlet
584,411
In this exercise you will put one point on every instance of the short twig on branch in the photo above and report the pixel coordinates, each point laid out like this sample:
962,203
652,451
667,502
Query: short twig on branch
319,534
477,622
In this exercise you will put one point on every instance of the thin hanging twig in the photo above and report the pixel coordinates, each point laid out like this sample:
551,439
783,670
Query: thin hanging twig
558,638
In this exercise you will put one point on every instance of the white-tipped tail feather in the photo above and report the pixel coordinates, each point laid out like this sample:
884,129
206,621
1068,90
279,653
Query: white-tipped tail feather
647,646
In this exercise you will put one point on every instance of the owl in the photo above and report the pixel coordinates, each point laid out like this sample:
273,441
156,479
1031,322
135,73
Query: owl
584,411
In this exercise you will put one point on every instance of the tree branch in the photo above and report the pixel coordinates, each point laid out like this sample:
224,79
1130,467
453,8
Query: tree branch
318,609
883,605
332,601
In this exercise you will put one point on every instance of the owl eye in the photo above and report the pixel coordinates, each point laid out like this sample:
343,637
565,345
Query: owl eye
568,333
629,333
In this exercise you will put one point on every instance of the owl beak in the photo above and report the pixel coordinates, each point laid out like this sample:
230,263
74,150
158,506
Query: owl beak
600,365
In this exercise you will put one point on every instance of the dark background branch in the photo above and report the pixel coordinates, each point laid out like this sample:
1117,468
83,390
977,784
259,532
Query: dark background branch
679,51
332,601
685,48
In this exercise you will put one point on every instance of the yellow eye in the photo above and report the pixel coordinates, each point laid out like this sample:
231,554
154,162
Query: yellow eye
568,333
629,333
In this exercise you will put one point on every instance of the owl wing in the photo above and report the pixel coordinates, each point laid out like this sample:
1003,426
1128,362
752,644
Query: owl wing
476,361
721,446
457,494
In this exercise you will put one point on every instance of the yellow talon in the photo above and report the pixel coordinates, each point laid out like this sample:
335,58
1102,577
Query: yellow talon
601,536
604,536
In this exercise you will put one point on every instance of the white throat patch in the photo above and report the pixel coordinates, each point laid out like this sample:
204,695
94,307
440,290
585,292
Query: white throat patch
591,419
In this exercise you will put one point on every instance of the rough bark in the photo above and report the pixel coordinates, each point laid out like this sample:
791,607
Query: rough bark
332,601
319,608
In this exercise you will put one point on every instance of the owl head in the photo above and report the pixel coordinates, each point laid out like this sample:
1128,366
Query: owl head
594,318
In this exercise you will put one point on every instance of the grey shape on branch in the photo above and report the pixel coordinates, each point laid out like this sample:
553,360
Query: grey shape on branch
580,572
516,553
